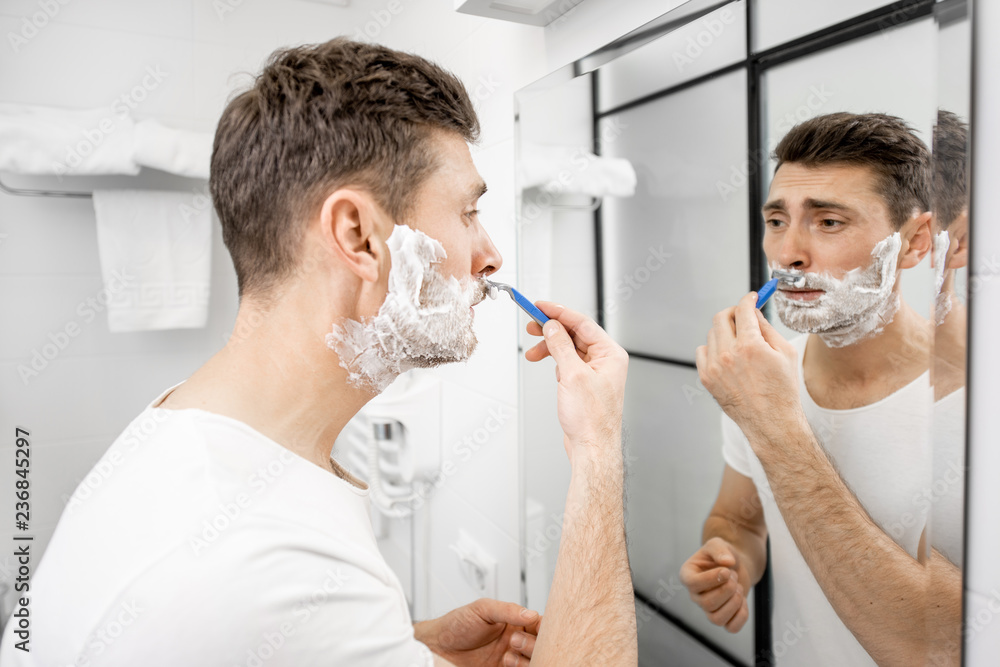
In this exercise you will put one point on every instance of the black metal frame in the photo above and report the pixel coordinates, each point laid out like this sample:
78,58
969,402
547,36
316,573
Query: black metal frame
893,15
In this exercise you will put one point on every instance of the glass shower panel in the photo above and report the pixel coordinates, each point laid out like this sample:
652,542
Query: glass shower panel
674,462
779,21
675,253
885,72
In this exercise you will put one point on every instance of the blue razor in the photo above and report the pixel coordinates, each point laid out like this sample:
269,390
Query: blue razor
519,299
778,276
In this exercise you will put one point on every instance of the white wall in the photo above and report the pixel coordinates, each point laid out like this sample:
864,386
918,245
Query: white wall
982,580
91,52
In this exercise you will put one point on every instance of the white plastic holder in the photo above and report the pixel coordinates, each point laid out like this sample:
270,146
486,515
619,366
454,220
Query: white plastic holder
478,568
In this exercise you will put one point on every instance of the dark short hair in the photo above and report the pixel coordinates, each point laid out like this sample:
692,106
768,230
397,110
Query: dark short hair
320,117
885,144
951,135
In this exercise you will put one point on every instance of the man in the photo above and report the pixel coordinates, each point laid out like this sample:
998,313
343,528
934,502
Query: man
225,534
825,437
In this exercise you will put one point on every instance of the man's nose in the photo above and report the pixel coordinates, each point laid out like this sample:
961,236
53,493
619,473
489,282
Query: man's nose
486,259
794,249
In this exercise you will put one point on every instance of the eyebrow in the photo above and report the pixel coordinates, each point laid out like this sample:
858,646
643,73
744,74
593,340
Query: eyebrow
810,203
477,191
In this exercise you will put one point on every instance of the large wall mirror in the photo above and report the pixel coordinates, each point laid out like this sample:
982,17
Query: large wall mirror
642,172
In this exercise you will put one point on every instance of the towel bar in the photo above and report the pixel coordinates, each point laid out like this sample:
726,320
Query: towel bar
22,192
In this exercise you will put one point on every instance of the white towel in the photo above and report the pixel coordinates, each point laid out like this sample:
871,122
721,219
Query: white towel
155,249
43,140
567,170
169,149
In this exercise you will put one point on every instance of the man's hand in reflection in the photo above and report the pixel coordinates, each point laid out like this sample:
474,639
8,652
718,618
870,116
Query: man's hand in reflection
751,370
718,583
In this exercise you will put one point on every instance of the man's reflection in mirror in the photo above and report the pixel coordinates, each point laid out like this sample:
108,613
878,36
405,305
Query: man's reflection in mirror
946,497
826,436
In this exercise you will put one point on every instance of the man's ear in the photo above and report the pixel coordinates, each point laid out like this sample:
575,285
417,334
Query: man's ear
348,226
917,242
958,233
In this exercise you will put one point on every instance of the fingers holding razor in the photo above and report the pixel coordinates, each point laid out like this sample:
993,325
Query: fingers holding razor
583,331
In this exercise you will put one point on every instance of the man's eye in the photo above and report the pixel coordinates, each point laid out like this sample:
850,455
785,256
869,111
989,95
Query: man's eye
471,214
773,223
830,224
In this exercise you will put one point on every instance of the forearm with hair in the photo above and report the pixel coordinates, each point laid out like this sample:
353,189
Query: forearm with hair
944,610
590,613
877,589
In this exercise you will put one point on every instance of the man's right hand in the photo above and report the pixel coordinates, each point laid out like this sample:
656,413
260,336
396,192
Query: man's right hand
718,583
591,370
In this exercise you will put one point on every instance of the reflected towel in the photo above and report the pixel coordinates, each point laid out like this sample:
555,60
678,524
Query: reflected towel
172,150
155,249
567,170
43,140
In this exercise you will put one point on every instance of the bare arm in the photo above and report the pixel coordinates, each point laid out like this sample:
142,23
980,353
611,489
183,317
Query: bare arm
878,590
944,609
590,614
734,540
738,518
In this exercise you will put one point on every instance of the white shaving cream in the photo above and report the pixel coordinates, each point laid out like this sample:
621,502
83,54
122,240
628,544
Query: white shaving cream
425,320
942,300
853,308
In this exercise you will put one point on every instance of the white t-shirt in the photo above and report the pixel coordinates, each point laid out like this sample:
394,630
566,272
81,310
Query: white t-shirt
882,451
196,540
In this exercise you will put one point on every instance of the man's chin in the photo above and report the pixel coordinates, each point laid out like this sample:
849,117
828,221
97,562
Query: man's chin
452,356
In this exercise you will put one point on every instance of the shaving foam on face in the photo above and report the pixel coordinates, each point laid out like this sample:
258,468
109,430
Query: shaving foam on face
425,320
942,300
853,308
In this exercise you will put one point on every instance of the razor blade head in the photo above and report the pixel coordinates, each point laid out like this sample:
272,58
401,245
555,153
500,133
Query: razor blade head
793,278
492,288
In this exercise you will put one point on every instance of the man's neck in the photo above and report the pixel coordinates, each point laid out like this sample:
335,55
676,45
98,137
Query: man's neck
872,368
277,375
